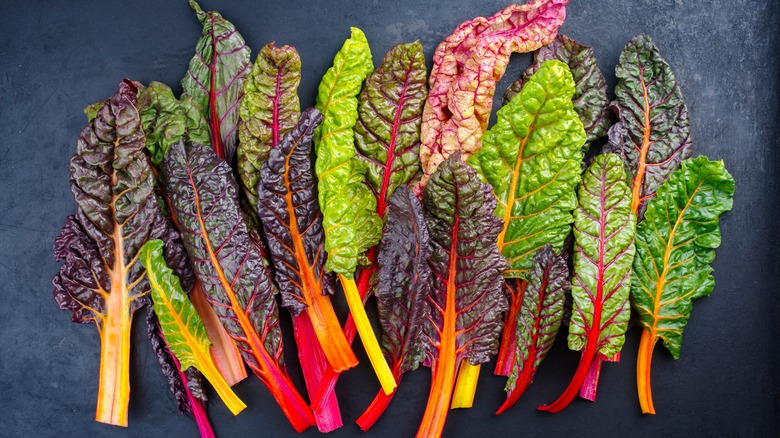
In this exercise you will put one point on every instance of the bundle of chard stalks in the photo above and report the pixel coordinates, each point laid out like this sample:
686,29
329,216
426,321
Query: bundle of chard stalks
199,210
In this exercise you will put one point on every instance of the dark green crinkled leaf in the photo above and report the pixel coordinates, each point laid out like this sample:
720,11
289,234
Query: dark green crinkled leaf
604,228
269,109
541,313
387,132
404,282
463,230
675,245
590,98
532,158
167,120
652,133
215,78
348,207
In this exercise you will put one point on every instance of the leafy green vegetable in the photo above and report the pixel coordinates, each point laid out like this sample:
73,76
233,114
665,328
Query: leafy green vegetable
604,227
402,292
590,98
538,320
269,109
653,133
204,198
215,79
182,328
466,67
91,110
167,120
101,281
348,208
675,245
466,304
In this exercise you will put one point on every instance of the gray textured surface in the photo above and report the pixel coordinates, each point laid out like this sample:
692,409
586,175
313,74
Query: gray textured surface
57,57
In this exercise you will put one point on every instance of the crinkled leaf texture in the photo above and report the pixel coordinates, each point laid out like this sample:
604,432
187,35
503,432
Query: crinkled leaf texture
653,133
466,67
348,207
541,313
102,281
269,109
604,229
404,282
532,158
204,197
590,98
167,120
675,245
215,78
466,301
387,132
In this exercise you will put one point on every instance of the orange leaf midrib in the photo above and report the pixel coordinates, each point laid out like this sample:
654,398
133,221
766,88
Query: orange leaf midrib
513,189
636,193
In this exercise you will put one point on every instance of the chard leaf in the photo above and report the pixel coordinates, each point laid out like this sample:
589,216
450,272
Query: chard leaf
269,109
532,158
102,281
466,302
204,198
348,207
404,282
387,132
183,330
466,67
215,79
590,97
604,227
675,245
91,110
653,133
538,319
167,120
292,223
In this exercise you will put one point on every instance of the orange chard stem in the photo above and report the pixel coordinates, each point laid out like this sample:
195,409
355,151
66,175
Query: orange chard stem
643,363
506,353
114,380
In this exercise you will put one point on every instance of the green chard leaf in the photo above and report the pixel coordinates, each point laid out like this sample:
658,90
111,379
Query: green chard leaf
215,78
167,120
269,109
675,245
604,227
387,132
652,134
182,328
532,158
91,110
590,97
538,320
466,303
348,207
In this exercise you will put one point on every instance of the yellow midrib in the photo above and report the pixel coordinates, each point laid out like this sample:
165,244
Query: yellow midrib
513,189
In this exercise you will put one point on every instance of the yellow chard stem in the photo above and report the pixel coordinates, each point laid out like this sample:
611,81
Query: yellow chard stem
114,383
367,336
223,389
466,386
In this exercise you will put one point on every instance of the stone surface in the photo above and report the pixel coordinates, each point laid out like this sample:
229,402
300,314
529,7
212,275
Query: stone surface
58,57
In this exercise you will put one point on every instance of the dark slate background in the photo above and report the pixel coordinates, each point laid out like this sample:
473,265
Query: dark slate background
57,57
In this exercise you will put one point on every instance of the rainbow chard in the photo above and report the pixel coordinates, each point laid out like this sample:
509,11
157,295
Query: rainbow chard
402,291
292,223
348,207
269,109
182,328
167,120
675,245
652,133
101,281
466,303
604,227
215,79
538,320
387,138
466,67
590,97
532,159
204,199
